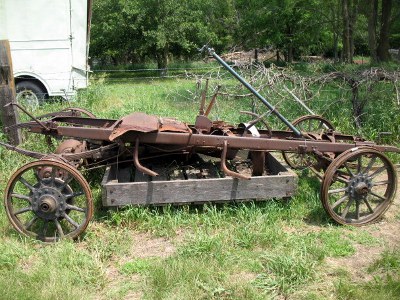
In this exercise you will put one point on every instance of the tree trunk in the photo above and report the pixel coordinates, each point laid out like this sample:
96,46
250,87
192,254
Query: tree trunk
346,31
372,22
335,47
162,61
383,45
353,20
290,53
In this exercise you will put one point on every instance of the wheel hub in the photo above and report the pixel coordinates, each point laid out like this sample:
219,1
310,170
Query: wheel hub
48,203
359,186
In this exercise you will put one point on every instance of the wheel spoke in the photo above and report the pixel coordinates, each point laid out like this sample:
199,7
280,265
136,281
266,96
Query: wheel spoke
20,196
337,190
26,183
368,205
31,222
357,210
73,195
340,177
53,175
45,228
59,229
348,169
377,172
23,210
36,172
66,182
370,164
384,182
340,201
359,164
71,221
73,207
346,210
320,125
378,196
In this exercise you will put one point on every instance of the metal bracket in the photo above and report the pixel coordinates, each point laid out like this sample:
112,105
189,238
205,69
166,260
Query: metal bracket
138,166
224,167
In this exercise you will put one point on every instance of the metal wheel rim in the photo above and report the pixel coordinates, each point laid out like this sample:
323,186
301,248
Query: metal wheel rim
62,211
28,99
291,157
366,195
82,111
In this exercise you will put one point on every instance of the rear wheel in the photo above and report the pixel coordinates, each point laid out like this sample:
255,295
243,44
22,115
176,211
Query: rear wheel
358,186
48,200
30,94
309,124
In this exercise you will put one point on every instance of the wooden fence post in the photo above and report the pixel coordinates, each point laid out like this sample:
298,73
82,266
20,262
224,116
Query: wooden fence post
9,114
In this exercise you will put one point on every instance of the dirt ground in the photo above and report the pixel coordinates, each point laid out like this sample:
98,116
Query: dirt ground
386,230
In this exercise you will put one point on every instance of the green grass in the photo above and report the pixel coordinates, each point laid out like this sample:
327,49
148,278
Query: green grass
256,250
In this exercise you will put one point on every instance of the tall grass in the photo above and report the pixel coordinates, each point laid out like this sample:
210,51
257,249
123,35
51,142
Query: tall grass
255,250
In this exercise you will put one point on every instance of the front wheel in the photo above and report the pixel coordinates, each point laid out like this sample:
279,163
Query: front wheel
48,200
358,186
30,94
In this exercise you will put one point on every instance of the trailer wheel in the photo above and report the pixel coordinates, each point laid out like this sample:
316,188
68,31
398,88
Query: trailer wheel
358,186
308,123
48,200
30,94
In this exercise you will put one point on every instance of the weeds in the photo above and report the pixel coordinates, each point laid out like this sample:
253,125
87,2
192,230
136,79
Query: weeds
254,250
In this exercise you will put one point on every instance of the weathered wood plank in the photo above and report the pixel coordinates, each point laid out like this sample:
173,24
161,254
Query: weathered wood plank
202,190
281,185
9,114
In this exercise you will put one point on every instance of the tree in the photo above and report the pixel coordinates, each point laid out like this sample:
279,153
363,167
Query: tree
135,30
372,24
288,25
383,44
349,14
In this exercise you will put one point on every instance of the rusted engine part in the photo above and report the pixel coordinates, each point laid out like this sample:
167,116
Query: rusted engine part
72,146
50,207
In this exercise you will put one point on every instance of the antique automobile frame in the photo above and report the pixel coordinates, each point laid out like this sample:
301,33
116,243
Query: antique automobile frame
358,185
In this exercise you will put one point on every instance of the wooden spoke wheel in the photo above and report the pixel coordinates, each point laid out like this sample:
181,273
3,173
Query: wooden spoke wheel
80,112
48,200
309,123
358,186
70,112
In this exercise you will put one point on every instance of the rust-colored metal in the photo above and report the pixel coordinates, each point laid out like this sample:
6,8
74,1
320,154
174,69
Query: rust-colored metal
351,162
212,102
225,169
359,186
138,166
50,207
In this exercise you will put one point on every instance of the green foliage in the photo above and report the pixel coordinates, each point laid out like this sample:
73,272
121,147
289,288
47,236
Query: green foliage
131,31
136,31
256,250
137,266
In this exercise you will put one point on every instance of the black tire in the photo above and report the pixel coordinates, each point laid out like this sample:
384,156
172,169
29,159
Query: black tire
30,94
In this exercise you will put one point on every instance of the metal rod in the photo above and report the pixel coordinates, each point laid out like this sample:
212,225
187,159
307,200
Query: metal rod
254,92
137,164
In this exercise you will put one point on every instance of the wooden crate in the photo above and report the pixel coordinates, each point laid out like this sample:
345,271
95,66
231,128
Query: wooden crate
195,183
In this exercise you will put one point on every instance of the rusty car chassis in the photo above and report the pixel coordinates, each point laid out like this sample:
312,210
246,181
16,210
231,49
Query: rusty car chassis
49,198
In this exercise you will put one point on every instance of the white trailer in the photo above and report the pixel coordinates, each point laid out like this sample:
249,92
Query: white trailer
49,41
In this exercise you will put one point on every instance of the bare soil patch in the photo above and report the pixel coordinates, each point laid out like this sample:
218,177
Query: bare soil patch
386,230
145,246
